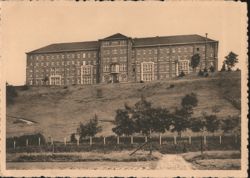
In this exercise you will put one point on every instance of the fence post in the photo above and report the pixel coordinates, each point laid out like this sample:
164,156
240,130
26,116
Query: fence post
90,140
118,140
160,139
27,142
65,141
220,139
146,139
14,145
104,140
78,141
51,140
131,140
190,140
175,140
39,141
205,139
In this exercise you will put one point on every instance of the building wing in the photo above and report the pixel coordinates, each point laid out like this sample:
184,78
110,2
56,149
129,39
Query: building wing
61,47
170,40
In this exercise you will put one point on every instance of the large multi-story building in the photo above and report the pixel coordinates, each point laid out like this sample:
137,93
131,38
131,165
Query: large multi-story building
119,58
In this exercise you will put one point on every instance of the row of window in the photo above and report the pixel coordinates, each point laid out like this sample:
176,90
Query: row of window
115,59
114,43
52,63
63,56
122,68
115,51
164,50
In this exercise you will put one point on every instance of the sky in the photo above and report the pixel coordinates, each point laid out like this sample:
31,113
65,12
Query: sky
26,26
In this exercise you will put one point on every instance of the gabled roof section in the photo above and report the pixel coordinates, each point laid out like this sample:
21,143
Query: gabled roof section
61,47
169,40
116,37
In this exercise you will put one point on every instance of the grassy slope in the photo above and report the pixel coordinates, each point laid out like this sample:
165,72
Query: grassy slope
58,111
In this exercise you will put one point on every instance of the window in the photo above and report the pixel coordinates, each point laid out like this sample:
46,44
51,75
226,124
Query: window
114,51
106,68
83,55
122,67
138,52
184,66
173,50
115,68
147,71
114,43
62,56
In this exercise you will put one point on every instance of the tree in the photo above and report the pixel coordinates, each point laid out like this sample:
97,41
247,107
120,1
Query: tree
195,60
181,121
223,68
212,123
89,129
124,124
189,101
182,116
231,124
231,60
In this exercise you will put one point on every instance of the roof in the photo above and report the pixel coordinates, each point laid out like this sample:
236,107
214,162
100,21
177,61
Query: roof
138,42
74,46
167,40
116,36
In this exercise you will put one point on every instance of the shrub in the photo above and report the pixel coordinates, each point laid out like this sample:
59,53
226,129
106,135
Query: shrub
182,74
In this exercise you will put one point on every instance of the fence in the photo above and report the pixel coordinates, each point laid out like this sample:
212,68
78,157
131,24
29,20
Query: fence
112,143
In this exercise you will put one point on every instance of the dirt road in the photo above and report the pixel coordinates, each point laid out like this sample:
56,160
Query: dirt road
173,162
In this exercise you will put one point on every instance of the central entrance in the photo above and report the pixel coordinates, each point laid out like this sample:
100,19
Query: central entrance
114,71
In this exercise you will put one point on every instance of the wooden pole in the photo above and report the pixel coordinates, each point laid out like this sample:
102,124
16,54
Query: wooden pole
14,145
205,139
39,141
146,139
104,140
118,140
160,139
90,140
131,140
78,142
175,140
190,140
27,142
65,141
220,139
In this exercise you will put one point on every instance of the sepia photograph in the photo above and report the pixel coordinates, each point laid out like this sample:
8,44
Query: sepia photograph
124,88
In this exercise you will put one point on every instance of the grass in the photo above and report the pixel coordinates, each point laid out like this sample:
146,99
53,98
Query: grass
214,160
59,110
118,156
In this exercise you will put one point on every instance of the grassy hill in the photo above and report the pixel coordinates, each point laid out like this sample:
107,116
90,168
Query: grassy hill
57,111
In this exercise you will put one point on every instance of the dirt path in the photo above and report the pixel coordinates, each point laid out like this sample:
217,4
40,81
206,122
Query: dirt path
173,162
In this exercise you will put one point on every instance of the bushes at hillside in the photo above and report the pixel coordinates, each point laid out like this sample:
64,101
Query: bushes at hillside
11,94
21,141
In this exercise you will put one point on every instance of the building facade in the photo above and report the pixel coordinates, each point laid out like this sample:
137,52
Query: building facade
119,58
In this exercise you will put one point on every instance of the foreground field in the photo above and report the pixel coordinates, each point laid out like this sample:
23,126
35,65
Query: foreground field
215,160
210,160
57,111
